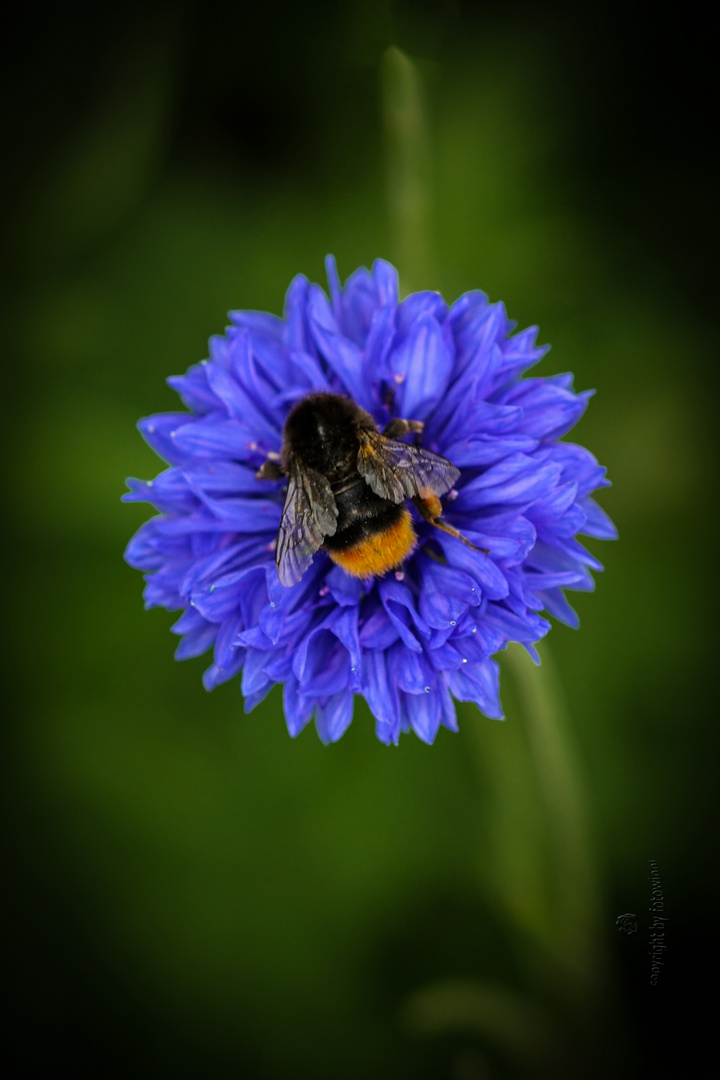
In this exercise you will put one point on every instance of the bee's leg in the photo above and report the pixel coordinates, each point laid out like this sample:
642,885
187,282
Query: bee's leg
398,427
430,508
271,469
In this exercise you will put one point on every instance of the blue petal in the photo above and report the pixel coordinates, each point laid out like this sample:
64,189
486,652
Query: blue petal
422,366
219,349
579,466
399,604
388,733
445,593
490,581
161,590
308,377
260,368
514,627
410,671
576,551
148,550
253,699
344,589
333,717
240,406
385,277
488,449
279,668
556,603
359,301
381,695
243,589
261,322
344,624
244,515
549,410
158,431
379,343
479,683
378,630
254,638
254,679
567,579
284,603
340,354
194,389
264,365
296,332
520,352
196,642
507,536
597,523
226,651
216,676
424,711
452,417
478,640
517,479
441,610
478,343
210,438
415,307
465,317
188,622
563,527
298,708
321,664
448,717
224,478
445,657
219,673
553,505
217,602
168,492
334,285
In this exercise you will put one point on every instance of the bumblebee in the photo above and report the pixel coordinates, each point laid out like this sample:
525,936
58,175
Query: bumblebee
347,486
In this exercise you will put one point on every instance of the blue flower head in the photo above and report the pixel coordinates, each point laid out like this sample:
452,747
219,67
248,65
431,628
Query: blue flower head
420,635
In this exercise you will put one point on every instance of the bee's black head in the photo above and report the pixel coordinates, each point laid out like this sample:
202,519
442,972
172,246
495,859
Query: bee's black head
321,431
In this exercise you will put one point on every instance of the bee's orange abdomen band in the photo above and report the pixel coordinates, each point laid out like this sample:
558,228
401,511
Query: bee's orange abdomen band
380,551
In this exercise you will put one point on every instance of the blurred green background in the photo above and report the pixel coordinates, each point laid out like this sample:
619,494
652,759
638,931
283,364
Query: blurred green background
191,892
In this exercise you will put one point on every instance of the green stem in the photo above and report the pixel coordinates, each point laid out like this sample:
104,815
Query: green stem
559,775
407,165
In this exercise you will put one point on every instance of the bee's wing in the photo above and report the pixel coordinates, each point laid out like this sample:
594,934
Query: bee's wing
309,515
398,471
